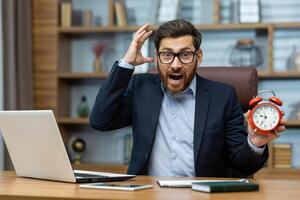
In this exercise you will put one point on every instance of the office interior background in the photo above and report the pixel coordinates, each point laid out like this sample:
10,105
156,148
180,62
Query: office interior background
55,54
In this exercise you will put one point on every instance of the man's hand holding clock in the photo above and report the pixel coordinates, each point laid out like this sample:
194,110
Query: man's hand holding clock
265,120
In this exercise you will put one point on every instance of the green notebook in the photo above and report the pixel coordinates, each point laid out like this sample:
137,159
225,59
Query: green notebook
225,186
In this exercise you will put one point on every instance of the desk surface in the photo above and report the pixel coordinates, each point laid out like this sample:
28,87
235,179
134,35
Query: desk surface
12,187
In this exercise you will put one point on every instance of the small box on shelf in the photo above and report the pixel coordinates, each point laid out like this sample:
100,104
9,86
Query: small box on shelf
282,153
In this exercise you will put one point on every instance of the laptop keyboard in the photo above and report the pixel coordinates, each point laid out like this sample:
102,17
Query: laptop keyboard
83,175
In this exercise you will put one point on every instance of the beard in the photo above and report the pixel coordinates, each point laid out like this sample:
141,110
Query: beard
176,80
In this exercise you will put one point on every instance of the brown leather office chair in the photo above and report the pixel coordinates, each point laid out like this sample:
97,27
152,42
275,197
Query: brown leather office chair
243,79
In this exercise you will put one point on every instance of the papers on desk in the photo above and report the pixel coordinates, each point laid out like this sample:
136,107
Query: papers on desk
188,183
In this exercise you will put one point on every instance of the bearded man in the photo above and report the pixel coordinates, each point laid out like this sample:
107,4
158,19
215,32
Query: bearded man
182,123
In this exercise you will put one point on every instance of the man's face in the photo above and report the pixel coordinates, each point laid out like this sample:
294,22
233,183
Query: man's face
177,76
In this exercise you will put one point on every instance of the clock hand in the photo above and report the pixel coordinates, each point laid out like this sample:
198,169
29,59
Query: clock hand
265,117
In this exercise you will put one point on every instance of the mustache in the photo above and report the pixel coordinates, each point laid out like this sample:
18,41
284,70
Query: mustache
175,70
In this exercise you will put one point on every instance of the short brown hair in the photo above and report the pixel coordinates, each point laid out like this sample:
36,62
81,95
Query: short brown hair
177,28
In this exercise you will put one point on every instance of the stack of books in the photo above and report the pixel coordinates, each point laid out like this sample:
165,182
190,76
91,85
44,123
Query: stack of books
282,155
70,17
249,11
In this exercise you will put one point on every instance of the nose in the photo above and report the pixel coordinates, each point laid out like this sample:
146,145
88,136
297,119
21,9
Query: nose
176,64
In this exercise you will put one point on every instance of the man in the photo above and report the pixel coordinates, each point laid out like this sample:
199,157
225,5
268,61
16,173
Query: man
183,124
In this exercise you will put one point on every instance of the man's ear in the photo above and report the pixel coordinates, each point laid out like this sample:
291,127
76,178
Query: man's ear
155,58
199,57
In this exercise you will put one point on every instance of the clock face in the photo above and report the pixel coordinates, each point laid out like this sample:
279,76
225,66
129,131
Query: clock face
266,116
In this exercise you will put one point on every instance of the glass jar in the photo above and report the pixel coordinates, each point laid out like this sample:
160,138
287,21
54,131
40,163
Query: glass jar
246,54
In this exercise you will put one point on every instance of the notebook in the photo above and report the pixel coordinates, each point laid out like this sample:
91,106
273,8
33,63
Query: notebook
225,186
37,150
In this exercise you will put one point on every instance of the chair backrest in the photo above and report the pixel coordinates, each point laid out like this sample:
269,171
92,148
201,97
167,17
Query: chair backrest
243,79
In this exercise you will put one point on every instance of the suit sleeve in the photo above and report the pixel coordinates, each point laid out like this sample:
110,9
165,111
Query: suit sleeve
241,156
113,105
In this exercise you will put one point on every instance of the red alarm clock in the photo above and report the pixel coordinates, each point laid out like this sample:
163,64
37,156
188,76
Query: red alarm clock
265,116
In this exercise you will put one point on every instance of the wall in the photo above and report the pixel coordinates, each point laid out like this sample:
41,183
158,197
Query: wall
1,86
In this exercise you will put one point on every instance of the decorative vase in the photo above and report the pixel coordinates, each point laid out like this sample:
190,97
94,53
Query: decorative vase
97,64
83,108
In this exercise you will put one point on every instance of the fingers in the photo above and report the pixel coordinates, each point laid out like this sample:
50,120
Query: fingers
283,122
145,36
148,59
142,34
280,128
246,115
133,55
144,27
273,136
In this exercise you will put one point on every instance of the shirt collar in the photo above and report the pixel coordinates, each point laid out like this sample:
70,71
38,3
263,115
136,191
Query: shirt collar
190,90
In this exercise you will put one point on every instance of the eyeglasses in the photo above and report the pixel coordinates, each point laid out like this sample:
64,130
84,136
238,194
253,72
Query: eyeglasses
185,57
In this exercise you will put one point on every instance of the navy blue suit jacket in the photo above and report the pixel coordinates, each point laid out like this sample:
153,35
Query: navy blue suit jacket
220,138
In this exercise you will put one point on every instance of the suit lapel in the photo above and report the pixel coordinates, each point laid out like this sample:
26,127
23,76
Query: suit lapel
202,103
155,98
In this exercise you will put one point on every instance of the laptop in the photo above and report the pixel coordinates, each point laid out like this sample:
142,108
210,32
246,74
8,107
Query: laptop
37,150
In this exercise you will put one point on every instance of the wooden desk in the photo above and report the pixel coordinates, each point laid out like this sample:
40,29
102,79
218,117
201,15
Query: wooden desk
12,187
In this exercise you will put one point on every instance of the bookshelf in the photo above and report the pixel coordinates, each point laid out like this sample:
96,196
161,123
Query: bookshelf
54,77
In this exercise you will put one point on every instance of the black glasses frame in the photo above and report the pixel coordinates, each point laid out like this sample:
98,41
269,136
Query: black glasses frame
176,55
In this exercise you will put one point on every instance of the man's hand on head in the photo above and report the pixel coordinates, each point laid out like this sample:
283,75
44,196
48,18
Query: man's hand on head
261,139
133,55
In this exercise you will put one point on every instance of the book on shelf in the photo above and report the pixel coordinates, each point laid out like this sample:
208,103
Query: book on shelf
66,14
249,11
216,11
77,19
168,10
82,18
87,18
120,12
225,186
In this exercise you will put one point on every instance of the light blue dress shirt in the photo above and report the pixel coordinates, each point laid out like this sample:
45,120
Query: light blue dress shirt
172,152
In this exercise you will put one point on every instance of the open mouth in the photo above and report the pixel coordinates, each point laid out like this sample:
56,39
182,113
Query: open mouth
175,77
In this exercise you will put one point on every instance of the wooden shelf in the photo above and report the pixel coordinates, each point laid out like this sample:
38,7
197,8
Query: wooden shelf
233,26
279,75
82,75
109,29
287,25
97,29
72,121
293,123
